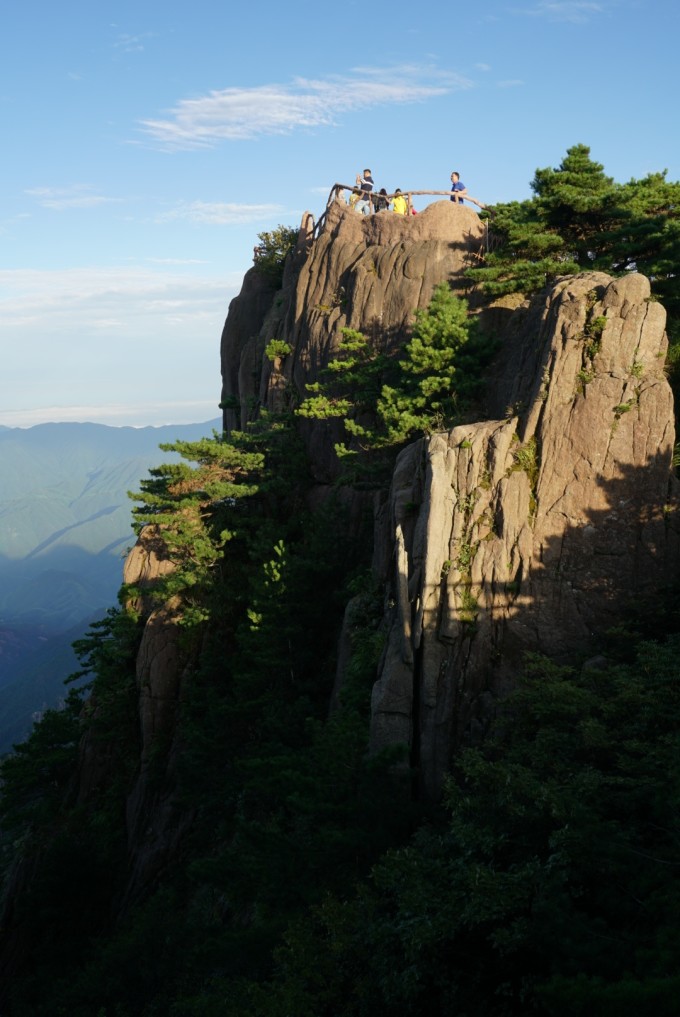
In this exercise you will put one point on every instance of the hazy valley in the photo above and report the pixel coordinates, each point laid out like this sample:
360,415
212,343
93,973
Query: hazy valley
65,527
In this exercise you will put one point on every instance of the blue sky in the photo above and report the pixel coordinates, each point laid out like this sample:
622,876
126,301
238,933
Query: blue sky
146,144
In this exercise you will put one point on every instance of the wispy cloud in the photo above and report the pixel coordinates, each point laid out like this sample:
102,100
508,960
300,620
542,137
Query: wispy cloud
575,11
142,414
62,198
234,114
131,43
177,261
89,340
77,302
219,213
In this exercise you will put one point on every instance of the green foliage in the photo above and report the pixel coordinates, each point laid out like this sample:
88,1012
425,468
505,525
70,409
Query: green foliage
272,251
525,458
292,805
351,385
277,348
384,401
36,776
440,371
574,201
190,508
579,218
552,885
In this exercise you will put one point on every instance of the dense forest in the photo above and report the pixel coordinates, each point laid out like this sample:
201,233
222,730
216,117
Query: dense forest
311,877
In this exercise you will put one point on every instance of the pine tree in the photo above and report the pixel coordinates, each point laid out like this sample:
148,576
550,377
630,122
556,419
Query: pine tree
429,383
574,201
579,219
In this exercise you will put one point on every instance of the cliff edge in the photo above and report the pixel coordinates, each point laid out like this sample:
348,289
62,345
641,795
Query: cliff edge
530,530
536,531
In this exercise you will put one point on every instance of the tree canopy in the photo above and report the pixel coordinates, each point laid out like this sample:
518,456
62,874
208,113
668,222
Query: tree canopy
579,218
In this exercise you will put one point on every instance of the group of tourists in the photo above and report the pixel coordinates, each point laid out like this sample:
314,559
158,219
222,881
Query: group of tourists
363,198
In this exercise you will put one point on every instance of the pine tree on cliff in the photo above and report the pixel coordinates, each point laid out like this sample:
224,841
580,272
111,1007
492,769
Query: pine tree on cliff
579,218
427,385
576,202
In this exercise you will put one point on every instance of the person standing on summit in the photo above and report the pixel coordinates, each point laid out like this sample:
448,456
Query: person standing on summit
458,188
365,185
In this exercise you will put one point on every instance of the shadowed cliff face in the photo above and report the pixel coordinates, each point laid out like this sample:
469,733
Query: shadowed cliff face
531,532
530,529
526,531
364,272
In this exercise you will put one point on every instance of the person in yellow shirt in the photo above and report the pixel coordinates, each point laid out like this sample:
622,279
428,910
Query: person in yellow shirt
399,204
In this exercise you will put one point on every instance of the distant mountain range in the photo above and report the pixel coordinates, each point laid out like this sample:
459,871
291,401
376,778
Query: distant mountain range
65,526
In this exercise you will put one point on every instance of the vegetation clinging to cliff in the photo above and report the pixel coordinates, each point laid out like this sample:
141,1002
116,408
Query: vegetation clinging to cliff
551,885
271,253
428,384
285,802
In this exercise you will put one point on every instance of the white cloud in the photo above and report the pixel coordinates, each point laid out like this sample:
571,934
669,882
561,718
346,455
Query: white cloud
121,345
62,198
154,414
239,113
131,43
75,300
575,11
220,213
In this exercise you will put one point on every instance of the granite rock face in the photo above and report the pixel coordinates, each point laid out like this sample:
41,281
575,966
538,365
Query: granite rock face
526,530
368,273
530,529
530,532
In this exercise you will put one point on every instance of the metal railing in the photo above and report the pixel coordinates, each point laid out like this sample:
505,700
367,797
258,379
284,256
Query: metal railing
338,189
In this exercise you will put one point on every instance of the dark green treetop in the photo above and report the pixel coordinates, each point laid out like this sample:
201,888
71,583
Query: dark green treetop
579,218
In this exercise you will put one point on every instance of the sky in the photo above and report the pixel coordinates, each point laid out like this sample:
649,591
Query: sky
146,144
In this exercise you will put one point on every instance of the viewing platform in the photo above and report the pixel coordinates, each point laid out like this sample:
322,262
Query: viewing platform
441,220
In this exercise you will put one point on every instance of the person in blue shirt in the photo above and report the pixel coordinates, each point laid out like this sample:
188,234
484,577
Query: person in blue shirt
365,185
458,188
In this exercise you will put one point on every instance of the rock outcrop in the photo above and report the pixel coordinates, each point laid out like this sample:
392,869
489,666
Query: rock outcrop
527,530
531,529
530,532
368,273
154,820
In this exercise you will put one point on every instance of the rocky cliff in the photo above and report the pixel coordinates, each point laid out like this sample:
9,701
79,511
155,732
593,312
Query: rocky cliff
362,272
533,531
529,530
532,528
